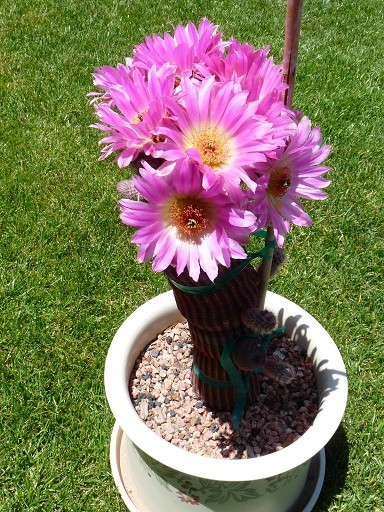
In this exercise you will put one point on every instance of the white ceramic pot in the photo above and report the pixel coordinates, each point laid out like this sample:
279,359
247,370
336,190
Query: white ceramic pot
156,476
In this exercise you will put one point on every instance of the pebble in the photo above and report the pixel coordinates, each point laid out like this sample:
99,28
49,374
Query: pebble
279,354
162,394
143,409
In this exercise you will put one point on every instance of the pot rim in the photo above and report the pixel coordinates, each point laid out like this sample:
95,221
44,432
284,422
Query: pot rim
159,313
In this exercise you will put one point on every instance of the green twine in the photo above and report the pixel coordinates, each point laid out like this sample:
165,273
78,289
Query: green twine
208,380
267,337
241,385
232,273
236,381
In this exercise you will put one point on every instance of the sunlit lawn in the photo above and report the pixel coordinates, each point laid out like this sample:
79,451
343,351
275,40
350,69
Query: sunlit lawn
68,272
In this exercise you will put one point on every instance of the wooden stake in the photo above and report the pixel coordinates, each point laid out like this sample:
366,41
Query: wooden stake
291,45
265,270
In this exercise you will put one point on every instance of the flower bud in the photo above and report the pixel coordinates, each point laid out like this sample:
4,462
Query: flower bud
259,321
127,190
281,372
248,355
277,260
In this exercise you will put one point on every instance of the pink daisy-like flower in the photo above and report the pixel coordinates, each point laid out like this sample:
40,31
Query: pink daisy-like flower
256,73
106,77
138,112
184,225
216,127
296,173
187,47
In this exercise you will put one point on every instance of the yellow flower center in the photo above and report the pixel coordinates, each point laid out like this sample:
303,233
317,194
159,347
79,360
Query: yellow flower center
212,146
192,216
137,119
279,182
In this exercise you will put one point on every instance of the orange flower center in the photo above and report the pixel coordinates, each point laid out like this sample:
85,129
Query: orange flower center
212,146
279,182
192,216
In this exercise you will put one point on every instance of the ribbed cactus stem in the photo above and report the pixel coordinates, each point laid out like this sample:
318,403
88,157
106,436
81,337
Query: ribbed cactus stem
214,321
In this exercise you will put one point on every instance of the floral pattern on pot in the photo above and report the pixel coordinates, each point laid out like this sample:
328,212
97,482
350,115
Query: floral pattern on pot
195,490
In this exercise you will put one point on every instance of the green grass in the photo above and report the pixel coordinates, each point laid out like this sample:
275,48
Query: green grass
68,272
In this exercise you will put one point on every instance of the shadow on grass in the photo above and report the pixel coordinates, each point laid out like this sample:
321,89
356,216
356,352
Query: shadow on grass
337,456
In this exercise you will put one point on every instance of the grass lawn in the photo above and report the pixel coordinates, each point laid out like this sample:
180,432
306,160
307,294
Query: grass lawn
68,275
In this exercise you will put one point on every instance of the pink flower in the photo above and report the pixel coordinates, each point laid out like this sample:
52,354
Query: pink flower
215,126
257,74
184,225
221,154
107,77
255,71
187,47
296,173
138,110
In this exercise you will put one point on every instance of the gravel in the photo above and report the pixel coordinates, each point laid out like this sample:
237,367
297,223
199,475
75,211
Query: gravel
163,397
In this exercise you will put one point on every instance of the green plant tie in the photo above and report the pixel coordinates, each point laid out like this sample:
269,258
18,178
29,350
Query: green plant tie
208,380
240,385
236,381
267,337
232,273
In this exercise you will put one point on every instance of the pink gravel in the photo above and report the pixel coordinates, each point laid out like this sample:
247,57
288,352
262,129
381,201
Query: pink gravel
163,397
